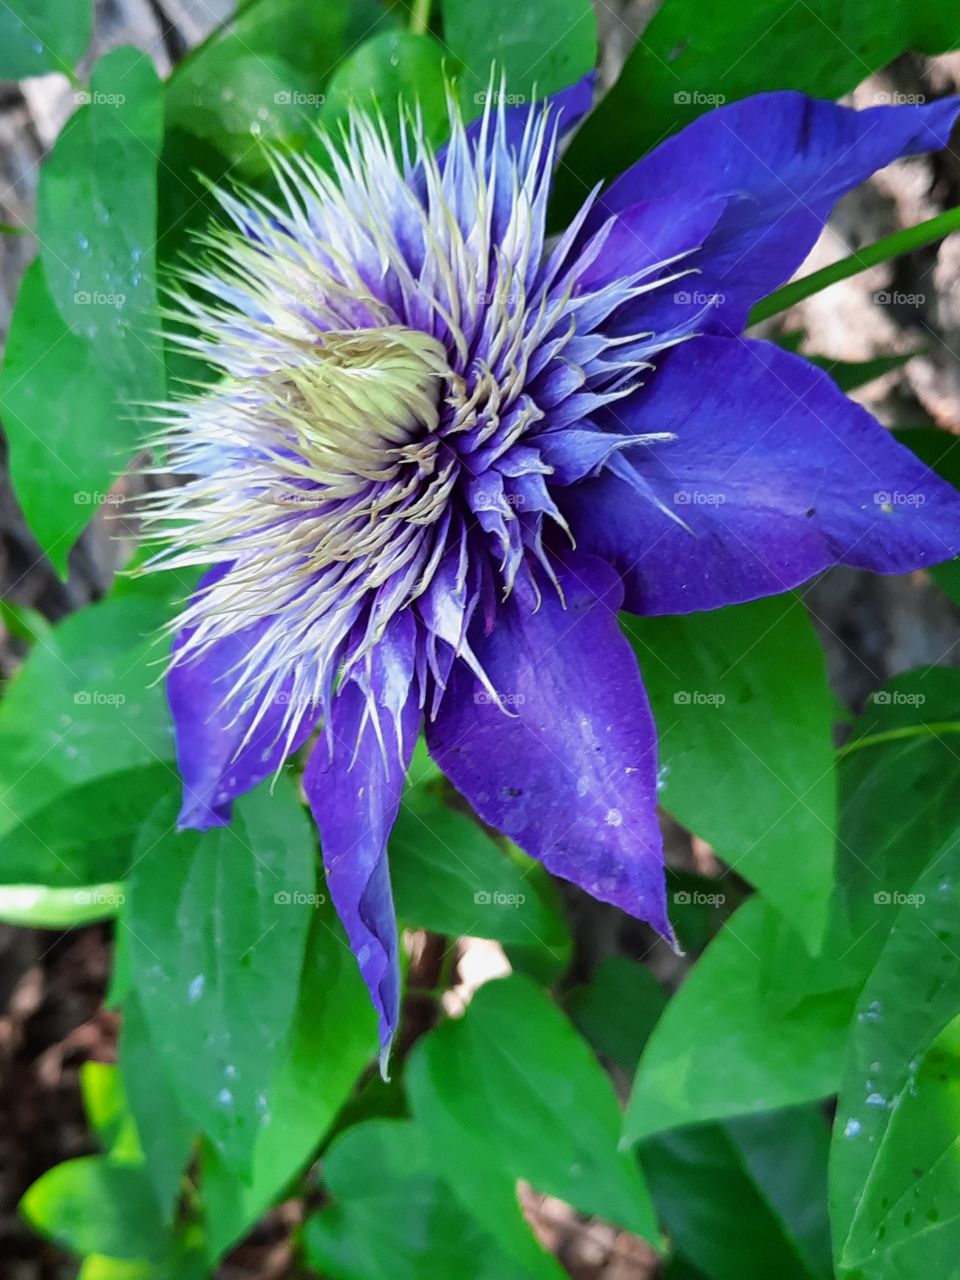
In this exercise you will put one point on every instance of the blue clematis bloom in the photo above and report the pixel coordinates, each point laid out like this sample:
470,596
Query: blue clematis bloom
445,451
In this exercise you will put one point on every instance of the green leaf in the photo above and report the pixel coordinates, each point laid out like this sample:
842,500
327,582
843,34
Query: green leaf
22,622
37,36
851,375
393,1218
695,54
81,716
105,1104
38,907
899,794
237,98
895,1161
393,68
166,1135
83,353
66,430
60,845
97,222
96,1205
510,1091
543,45
217,927
264,77
333,1039
938,449
744,716
726,1046
184,1262
618,1009
753,1188
451,877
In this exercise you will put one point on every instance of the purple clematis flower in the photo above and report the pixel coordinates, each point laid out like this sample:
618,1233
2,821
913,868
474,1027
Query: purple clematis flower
444,452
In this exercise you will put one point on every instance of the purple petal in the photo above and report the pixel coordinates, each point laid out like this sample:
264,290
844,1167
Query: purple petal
647,233
783,160
773,476
353,782
565,764
214,766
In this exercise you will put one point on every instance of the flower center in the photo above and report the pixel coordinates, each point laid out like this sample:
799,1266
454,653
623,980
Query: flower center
362,408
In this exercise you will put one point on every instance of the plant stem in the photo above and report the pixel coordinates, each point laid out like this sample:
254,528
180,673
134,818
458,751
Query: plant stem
906,241
420,17
936,729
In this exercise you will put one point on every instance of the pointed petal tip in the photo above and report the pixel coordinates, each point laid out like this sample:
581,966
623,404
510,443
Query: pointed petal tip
196,814
384,1061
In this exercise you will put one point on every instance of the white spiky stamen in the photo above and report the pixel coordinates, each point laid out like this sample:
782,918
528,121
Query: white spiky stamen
378,337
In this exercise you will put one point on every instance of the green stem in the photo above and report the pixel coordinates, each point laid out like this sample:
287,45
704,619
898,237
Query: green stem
934,729
6,229
906,241
420,17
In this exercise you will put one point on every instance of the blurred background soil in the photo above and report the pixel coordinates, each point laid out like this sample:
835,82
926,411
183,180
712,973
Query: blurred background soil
52,985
